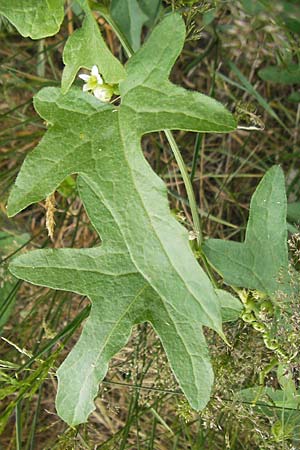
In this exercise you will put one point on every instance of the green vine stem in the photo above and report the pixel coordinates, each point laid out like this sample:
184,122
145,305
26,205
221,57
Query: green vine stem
188,186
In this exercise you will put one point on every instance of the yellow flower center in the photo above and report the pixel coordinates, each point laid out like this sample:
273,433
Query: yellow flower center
92,82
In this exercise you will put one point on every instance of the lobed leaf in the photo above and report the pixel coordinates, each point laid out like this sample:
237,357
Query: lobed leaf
144,270
34,18
261,262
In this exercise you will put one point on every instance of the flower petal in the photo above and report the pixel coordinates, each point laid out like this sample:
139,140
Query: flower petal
84,77
99,79
86,87
95,71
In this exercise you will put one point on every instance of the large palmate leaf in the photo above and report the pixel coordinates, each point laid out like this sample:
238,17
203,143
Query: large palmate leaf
131,15
260,262
76,55
34,18
144,270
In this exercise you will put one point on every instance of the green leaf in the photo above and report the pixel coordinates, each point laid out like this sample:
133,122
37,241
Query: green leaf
292,24
34,18
267,397
281,75
285,378
151,9
252,7
77,56
294,97
293,212
231,307
290,14
131,15
262,259
280,404
145,269
287,398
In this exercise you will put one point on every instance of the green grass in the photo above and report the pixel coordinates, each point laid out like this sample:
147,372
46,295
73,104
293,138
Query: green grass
139,405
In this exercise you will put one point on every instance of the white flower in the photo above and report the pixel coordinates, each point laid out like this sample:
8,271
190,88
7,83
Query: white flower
94,83
91,81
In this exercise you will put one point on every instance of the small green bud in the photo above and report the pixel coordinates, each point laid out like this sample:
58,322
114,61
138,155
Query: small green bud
248,317
271,344
250,305
258,326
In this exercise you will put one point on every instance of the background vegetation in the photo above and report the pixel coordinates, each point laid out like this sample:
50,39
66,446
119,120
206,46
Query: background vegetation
139,404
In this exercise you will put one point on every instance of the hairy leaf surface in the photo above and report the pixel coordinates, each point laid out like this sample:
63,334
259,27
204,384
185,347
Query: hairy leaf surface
231,307
260,262
76,54
34,18
144,270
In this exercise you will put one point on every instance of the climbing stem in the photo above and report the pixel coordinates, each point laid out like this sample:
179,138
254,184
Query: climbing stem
188,185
